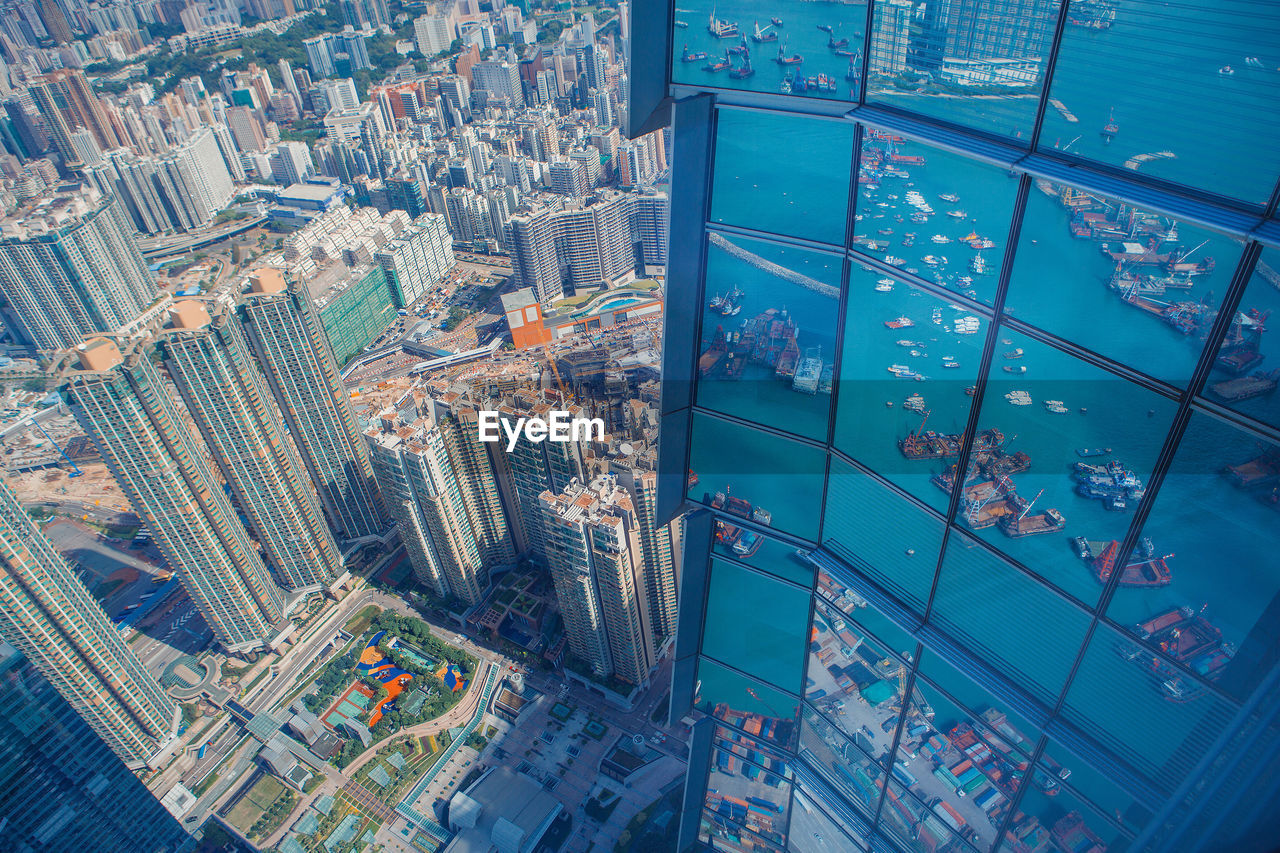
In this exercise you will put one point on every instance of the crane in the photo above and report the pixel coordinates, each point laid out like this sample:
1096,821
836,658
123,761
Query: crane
551,359
75,469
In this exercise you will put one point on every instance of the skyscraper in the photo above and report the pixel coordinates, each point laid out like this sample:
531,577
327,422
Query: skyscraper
653,221
46,611
62,788
294,354
596,564
436,493
418,258
143,436
209,361
968,565
69,267
657,565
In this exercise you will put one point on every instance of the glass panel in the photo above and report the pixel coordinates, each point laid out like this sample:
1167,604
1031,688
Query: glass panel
935,214
747,794
756,624
900,556
1007,732
763,182
908,365
1121,702
794,48
854,680
1136,287
1061,821
1017,624
970,775
746,704
1069,449
1091,786
1215,530
813,831
763,552
848,769
721,832
1248,364
976,64
768,759
917,826
735,466
1126,73
864,620
769,334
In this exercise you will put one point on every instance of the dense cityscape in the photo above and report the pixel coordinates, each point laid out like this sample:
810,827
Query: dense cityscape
614,425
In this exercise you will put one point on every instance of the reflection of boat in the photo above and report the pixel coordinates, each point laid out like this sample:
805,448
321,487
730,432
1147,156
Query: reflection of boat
1110,129
748,544
1016,369
808,372
1144,568
1226,71
1072,835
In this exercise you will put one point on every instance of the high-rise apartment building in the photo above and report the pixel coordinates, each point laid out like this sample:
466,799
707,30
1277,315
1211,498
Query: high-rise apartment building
144,437
418,258
593,239
596,563
49,614
69,267
209,360
293,352
657,563
500,79
432,34
66,101
530,240
442,501
653,222
62,788
979,542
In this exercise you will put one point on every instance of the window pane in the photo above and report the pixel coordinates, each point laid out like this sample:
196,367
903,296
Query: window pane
1061,822
1017,624
841,762
935,214
869,621
1120,703
1215,529
761,182
915,825
976,64
813,831
745,703
748,473
769,334
1074,447
1138,288
900,556
747,794
1007,732
767,758
762,552
908,363
853,680
1127,71
722,832
756,624
739,44
1093,787
1248,364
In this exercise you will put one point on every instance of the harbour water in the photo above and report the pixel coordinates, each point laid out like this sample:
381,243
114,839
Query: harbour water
1218,539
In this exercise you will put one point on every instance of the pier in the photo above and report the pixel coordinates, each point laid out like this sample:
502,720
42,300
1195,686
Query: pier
774,269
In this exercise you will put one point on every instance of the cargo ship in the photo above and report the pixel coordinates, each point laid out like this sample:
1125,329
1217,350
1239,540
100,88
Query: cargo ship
1020,521
784,59
1262,470
1246,387
1113,484
1144,568
1071,835
1185,636
688,56
1241,349
760,36
809,372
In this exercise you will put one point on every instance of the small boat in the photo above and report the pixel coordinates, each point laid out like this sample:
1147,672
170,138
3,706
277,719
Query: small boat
1055,407
826,28
1110,129
894,260
1086,452
1226,71
949,362
902,322
777,22
940,239
950,198
884,285
682,25
1016,369
1014,353
957,214
1018,398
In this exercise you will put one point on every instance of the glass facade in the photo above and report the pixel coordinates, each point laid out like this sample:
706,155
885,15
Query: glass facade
984,262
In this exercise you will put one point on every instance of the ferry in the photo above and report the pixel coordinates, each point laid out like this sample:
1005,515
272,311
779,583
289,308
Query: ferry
902,322
949,362
1014,353
950,198
914,403
1055,407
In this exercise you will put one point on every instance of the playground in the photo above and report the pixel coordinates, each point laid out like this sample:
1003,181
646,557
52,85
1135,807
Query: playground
375,664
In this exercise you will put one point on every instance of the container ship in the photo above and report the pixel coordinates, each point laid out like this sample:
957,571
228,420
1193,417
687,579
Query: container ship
1144,569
